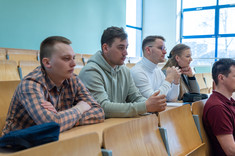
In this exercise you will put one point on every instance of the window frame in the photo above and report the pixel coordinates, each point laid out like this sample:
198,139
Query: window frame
216,34
138,52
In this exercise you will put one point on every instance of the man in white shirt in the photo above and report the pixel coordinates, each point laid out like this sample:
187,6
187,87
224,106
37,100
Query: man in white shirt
149,78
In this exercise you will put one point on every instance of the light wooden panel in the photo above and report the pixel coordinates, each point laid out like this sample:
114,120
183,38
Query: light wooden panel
22,54
28,66
209,81
78,67
98,128
2,54
182,133
161,64
8,70
7,89
197,109
130,65
139,137
84,145
78,58
85,57
202,85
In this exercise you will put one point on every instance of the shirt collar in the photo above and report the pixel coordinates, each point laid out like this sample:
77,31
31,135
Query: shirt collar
225,99
50,84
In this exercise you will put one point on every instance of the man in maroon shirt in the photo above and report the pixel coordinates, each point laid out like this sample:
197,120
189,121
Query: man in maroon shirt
219,110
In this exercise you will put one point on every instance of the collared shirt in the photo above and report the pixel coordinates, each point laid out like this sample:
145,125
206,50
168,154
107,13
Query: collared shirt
25,109
219,119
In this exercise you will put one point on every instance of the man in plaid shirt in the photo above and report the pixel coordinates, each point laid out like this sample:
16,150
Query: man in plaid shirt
52,92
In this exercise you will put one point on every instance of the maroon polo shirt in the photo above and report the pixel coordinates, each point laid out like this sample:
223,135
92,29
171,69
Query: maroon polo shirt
219,118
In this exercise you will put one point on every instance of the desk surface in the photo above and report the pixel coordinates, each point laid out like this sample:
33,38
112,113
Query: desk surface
98,128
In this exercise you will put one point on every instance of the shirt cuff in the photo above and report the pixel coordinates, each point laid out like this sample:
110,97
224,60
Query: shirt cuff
141,108
167,83
192,78
175,85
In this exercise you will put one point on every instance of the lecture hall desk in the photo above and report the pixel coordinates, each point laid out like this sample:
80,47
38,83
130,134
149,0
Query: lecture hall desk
99,128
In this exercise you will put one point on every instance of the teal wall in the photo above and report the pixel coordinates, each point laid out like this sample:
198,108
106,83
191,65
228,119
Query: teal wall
25,23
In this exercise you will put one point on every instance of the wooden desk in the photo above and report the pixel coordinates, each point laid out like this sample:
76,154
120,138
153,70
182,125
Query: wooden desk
85,129
138,137
98,128
182,133
84,145
170,107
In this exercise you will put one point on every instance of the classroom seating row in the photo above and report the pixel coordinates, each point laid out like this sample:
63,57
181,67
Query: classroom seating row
10,71
173,132
84,145
18,54
33,55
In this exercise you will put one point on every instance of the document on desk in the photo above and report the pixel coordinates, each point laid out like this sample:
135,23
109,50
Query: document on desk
175,104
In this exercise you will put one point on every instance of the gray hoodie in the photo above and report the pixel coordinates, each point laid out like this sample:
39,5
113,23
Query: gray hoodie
113,88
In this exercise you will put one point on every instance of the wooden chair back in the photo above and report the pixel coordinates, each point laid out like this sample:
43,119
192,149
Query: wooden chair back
197,109
130,65
7,89
161,64
182,133
209,81
3,54
78,67
78,59
8,70
22,54
202,85
85,58
84,145
26,67
137,137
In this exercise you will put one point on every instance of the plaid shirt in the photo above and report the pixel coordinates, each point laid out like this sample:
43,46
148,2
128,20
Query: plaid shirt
25,109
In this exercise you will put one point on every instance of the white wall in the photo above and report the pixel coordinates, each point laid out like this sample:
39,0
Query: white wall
159,18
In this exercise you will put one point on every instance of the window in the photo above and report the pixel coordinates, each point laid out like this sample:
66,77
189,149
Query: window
134,26
207,26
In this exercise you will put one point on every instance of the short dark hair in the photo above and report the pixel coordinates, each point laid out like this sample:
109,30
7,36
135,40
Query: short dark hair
111,33
150,39
47,46
222,67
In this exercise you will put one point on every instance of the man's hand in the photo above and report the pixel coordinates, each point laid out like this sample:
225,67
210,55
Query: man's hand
47,105
173,74
156,103
83,106
177,76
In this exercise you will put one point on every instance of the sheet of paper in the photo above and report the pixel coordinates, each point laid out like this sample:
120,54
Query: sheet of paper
175,104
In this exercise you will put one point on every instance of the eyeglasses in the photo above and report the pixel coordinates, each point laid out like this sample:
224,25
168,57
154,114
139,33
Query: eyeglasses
160,48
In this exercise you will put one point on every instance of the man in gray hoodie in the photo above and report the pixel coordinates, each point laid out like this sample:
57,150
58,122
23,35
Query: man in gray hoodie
110,82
